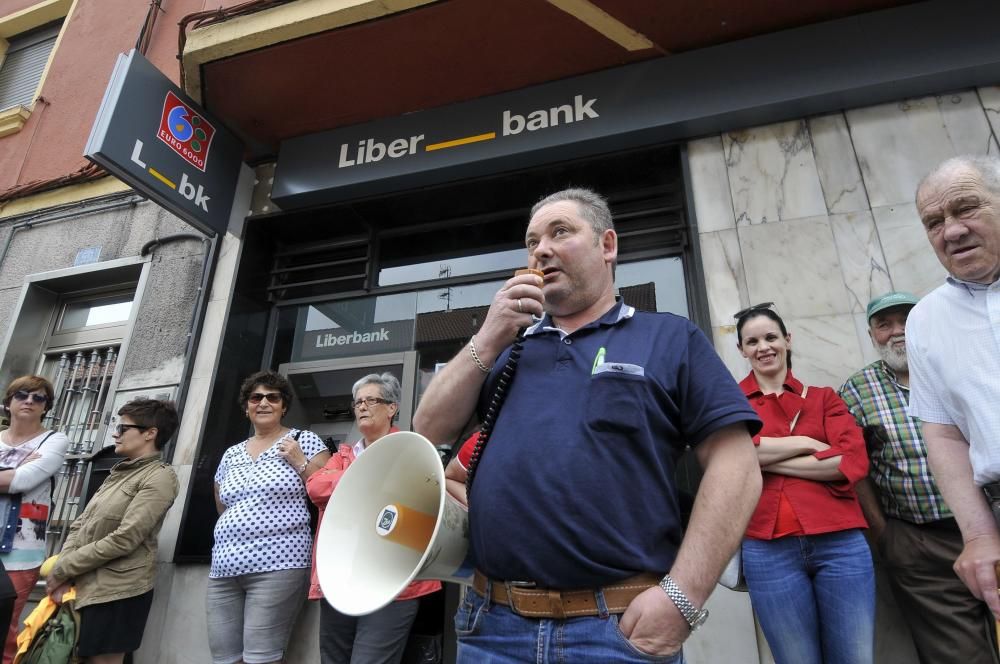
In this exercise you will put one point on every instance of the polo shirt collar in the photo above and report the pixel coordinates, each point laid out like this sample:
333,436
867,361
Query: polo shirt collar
889,374
616,314
970,287
751,388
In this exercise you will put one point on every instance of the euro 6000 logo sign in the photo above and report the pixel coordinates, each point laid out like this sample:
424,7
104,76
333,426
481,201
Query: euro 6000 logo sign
186,132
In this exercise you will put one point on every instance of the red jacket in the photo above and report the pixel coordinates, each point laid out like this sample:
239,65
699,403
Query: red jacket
320,486
821,507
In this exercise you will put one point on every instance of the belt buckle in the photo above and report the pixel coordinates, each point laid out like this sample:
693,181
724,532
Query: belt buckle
509,586
518,584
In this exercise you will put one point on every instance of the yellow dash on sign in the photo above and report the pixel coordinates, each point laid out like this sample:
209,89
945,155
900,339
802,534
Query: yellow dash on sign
159,176
460,141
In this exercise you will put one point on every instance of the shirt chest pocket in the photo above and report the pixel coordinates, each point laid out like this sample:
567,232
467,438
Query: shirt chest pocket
616,398
116,501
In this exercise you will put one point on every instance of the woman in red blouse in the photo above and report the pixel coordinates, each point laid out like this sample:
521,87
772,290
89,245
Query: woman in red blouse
806,562
379,637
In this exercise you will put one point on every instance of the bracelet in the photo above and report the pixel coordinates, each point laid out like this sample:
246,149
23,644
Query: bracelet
301,469
475,356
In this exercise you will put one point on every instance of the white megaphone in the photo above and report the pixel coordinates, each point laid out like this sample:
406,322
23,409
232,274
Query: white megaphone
390,521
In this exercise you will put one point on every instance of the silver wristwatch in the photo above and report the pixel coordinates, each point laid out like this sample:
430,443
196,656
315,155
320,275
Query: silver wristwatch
695,618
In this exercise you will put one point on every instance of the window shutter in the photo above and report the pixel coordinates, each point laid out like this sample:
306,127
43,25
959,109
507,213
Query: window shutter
22,68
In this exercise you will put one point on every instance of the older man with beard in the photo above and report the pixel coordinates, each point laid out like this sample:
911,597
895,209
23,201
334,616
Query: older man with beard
911,527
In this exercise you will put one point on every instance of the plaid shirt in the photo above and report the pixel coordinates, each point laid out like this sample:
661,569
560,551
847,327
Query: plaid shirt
898,455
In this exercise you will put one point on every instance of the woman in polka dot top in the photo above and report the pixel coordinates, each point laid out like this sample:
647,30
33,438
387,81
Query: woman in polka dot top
262,552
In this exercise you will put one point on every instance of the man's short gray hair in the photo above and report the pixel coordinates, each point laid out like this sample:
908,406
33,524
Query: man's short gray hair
987,166
388,386
593,207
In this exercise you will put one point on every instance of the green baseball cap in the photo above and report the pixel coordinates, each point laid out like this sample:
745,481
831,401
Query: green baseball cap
889,300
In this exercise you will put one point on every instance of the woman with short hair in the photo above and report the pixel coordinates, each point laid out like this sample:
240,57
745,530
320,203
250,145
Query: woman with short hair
30,455
110,554
261,557
380,637
806,562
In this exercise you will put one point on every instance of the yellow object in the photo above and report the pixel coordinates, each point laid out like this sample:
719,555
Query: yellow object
47,566
406,526
37,619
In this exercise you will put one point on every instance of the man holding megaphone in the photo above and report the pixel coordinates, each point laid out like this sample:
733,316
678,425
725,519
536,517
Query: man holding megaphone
587,403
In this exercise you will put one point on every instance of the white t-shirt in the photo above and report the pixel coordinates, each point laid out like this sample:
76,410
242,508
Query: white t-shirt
953,351
31,480
266,523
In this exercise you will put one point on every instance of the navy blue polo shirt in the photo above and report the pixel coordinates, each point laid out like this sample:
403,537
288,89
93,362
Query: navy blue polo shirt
575,488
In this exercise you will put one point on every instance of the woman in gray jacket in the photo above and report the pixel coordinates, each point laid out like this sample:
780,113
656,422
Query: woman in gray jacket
110,554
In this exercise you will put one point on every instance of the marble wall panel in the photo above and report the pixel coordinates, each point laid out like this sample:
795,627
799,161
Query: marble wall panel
909,258
729,634
724,278
868,353
825,349
170,530
772,173
795,265
967,123
839,175
229,249
724,340
713,203
212,327
157,618
185,637
195,404
900,142
861,261
989,97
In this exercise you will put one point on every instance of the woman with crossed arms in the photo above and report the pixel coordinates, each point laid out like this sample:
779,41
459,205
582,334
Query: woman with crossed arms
806,562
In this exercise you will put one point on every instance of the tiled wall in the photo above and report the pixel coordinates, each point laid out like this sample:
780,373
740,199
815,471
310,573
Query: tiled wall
817,215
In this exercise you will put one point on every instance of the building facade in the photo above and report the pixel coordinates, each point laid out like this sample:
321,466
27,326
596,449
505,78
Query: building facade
749,155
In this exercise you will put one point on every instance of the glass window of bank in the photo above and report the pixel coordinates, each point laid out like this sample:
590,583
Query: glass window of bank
410,277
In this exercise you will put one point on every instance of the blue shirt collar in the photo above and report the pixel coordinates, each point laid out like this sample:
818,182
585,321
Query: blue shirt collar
616,314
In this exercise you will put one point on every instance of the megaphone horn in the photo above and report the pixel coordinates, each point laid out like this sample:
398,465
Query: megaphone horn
389,522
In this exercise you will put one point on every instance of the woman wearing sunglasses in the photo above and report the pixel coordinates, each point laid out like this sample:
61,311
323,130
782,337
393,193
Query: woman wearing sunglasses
262,551
110,553
378,638
806,562
30,456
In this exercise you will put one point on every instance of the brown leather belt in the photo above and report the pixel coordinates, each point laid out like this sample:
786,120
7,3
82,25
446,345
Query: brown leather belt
532,602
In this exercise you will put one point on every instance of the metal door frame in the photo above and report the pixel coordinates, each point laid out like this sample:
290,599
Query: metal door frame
407,381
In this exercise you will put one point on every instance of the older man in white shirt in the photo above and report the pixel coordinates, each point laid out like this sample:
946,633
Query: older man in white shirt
953,346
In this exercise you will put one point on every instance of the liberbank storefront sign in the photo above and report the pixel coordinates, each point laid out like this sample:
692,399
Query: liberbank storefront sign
784,75
155,138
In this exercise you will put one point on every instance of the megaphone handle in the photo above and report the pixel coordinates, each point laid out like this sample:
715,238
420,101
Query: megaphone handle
496,401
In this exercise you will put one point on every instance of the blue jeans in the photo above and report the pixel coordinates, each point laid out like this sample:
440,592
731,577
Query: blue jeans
814,596
490,633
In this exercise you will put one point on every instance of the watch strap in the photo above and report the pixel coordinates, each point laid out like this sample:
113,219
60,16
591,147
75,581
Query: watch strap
694,616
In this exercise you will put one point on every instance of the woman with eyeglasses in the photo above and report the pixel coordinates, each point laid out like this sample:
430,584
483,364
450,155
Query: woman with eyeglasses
806,562
30,455
261,556
110,553
380,637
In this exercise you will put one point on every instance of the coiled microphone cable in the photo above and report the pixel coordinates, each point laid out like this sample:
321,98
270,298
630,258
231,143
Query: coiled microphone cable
496,401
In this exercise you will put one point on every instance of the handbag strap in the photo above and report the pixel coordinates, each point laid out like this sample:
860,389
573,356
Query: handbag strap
795,420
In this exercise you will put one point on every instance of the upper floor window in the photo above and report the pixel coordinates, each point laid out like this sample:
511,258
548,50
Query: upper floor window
92,319
24,63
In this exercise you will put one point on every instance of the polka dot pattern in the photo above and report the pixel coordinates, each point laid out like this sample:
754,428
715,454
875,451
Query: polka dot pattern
266,523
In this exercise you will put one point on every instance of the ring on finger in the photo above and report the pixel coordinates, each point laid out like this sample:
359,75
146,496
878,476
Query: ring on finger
519,309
